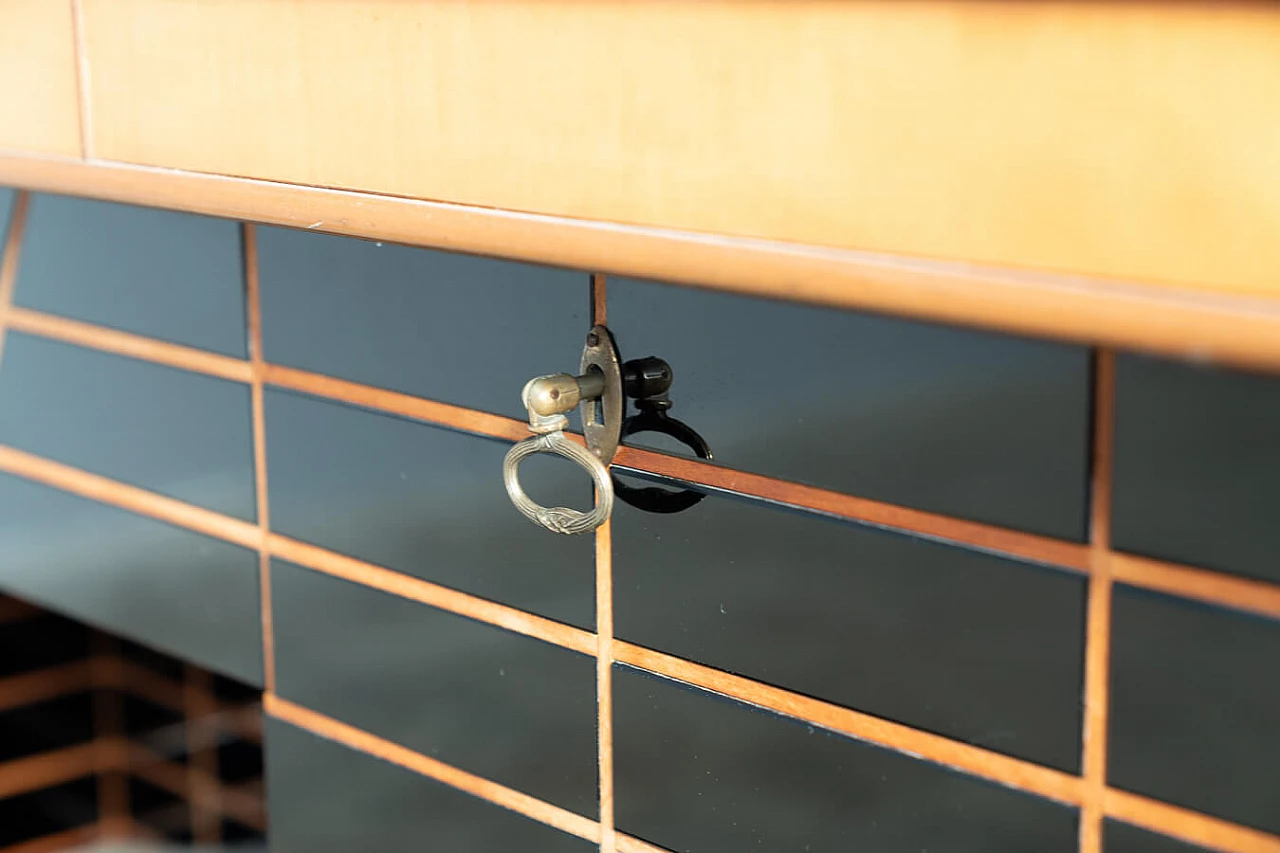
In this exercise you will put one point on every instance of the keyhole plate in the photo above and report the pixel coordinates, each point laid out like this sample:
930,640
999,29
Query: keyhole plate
602,417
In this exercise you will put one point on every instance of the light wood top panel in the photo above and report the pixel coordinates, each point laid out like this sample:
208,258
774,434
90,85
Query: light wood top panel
39,110
1132,140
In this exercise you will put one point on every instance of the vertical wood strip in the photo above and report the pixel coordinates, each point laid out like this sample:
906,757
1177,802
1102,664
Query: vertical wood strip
9,261
84,95
1098,616
604,631
114,820
202,789
253,310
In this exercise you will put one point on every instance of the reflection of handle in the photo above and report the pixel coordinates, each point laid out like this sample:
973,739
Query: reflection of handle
559,519
653,498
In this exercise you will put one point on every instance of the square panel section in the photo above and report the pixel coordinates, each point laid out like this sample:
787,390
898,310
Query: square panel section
458,328
972,424
170,431
965,644
1195,693
159,273
698,773
425,501
503,706
1197,466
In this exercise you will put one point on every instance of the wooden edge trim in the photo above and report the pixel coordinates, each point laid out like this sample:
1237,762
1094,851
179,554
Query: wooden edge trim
253,311
998,540
604,683
425,592
132,498
207,794
1187,825
1221,327
394,402
30,687
10,250
630,844
67,839
47,769
1098,606
1197,584
362,741
114,341
975,761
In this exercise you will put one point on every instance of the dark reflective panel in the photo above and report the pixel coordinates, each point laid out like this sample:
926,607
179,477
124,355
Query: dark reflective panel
700,774
1197,466
325,798
171,431
971,424
1195,699
428,502
154,272
506,707
187,594
986,650
7,197
458,328
1122,838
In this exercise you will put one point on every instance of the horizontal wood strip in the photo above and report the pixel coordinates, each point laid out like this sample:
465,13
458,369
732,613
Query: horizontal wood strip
1187,825
1198,584
118,494
124,343
445,414
1220,328
47,769
425,592
67,839
30,687
974,534
629,844
976,761
331,729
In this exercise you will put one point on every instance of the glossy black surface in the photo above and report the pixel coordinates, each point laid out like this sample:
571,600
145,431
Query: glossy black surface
425,501
45,726
506,707
7,197
174,432
188,594
159,273
1122,838
457,328
1195,700
968,645
1197,469
41,641
48,810
325,798
697,773
965,423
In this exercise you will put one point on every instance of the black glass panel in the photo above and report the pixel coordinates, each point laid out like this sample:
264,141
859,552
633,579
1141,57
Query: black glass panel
7,198
325,798
698,773
964,644
188,594
458,328
1197,466
425,501
174,432
1195,693
971,424
1122,838
503,706
168,275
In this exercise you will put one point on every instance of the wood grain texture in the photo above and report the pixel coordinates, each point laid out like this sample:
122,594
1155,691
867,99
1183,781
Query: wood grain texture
39,103
27,688
1207,327
1129,139
1187,825
253,310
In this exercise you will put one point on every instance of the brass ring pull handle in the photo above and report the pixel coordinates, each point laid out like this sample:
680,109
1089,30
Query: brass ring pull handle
559,519
547,399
